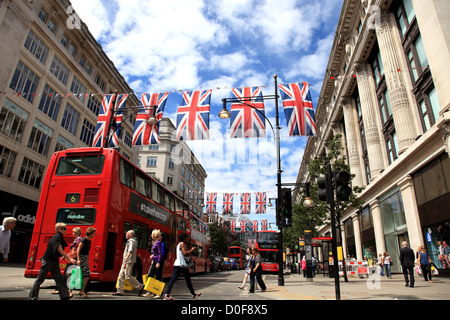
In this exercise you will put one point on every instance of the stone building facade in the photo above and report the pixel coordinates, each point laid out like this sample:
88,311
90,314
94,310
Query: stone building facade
175,165
387,91
53,74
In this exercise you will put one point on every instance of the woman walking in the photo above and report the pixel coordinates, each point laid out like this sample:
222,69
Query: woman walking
256,272
83,257
180,266
387,265
249,258
425,264
156,268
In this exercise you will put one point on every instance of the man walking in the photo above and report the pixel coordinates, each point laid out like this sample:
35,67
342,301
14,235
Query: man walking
5,236
50,263
407,262
129,259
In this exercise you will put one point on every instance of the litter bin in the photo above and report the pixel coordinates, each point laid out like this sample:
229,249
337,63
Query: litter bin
293,267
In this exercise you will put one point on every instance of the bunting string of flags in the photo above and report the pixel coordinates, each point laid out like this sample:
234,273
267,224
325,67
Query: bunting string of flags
245,202
248,226
194,112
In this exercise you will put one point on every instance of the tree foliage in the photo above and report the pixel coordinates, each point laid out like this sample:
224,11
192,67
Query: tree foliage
312,218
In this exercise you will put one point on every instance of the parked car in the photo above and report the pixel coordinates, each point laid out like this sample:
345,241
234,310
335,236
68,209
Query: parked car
234,264
217,263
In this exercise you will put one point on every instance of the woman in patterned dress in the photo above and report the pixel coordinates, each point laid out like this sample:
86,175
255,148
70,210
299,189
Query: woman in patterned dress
83,257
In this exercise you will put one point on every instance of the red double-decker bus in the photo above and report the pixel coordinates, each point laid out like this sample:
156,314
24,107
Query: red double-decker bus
238,253
201,240
267,244
100,188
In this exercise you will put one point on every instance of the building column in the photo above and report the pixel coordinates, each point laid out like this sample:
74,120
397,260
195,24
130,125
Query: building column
433,19
353,140
344,241
357,235
378,226
401,101
369,108
411,212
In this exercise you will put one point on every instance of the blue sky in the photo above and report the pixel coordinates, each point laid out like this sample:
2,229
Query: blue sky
173,45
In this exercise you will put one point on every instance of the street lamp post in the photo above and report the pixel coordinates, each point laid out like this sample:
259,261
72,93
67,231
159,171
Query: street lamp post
224,114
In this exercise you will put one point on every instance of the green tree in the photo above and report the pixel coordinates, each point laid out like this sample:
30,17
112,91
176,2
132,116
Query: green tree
219,243
311,218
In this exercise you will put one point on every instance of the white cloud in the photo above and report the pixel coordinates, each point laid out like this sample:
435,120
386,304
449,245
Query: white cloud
160,45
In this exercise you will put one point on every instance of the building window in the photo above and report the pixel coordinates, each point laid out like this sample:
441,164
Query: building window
52,26
13,120
40,138
87,132
42,15
415,55
78,89
36,47
429,108
31,173
363,137
170,179
94,105
7,159
50,102
24,82
59,70
405,16
63,144
171,164
384,103
128,139
151,161
70,119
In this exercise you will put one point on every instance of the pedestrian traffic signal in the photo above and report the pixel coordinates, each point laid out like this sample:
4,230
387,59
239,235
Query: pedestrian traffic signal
343,190
323,193
286,202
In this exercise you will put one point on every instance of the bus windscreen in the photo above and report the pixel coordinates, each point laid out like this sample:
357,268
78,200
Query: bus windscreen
84,165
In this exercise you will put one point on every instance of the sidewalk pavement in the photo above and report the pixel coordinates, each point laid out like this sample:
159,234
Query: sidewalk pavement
298,288
374,288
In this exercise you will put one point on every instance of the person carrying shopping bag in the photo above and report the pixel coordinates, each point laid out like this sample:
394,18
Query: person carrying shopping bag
129,259
157,256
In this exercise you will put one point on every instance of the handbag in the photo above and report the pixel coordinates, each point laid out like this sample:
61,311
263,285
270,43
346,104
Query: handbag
76,279
154,286
185,261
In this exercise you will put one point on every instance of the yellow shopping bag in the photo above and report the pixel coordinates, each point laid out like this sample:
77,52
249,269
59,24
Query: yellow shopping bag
126,285
154,286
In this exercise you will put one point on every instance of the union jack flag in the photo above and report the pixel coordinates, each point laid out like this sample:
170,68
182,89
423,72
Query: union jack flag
120,108
260,203
193,115
247,122
144,132
228,203
298,109
233,226
255,226
245,203
243,225
264,225
211,199
103,121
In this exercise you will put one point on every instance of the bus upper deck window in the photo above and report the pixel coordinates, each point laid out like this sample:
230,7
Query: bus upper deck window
80,165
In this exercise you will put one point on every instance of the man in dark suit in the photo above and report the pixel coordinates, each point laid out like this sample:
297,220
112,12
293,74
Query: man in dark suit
407,262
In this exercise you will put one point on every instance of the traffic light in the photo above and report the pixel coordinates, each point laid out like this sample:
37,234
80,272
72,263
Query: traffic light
285,207
323,192
343,190
286,202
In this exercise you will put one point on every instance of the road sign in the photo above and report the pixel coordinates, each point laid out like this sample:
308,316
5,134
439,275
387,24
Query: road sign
287,222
